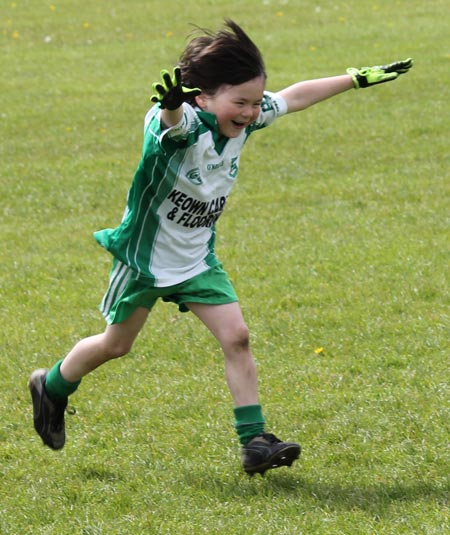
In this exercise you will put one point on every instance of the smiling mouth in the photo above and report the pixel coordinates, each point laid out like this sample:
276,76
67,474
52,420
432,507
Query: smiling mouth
238,124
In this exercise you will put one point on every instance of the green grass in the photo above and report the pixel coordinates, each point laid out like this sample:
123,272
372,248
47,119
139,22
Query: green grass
336,237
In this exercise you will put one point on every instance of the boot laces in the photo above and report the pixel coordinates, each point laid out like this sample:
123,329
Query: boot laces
271,438
58,418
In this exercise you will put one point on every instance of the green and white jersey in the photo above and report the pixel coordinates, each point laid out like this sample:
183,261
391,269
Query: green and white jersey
179,190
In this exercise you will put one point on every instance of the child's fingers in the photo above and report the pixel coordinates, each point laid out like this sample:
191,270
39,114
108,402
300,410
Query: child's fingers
177,76
165,75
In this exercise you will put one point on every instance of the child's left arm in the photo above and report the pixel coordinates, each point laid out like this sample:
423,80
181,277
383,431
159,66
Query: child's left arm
304,94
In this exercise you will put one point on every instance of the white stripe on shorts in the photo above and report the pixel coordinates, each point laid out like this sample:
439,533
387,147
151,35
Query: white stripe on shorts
117,283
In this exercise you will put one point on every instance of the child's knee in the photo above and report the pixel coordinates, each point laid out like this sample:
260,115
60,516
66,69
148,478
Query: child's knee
238,339
117,349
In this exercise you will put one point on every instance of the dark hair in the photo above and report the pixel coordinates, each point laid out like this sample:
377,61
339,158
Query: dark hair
228,56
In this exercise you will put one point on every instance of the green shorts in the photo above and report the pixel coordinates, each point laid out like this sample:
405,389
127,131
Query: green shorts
126,293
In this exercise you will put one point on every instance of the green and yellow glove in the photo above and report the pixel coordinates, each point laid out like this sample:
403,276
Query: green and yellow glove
170,92
367,76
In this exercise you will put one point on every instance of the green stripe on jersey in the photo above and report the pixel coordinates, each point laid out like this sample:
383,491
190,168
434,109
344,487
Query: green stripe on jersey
153,182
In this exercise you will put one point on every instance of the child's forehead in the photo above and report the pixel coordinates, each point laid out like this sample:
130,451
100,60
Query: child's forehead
254,88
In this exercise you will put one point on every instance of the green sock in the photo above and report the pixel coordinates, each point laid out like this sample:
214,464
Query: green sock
57,388
249,422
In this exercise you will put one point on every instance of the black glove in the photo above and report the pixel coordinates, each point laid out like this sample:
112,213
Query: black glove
367,76
170,93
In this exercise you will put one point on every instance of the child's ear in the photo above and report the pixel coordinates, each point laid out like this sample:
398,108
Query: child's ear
200,100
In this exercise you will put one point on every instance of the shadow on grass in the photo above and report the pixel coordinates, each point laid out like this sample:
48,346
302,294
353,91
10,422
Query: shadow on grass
332,495
367,497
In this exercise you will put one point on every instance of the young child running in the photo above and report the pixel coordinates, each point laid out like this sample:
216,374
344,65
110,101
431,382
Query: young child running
164,247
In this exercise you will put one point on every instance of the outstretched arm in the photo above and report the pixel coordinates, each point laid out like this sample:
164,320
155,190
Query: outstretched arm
304,94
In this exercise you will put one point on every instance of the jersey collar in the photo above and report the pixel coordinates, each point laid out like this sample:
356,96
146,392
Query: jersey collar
210,120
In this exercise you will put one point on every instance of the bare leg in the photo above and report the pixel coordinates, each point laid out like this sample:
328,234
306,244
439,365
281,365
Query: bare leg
91,352
227,324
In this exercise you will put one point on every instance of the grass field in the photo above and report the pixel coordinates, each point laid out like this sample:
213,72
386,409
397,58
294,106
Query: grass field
336,237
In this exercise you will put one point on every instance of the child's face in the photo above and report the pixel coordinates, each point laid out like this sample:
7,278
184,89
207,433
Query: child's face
235,106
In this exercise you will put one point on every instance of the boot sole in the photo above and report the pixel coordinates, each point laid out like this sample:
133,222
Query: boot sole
284,457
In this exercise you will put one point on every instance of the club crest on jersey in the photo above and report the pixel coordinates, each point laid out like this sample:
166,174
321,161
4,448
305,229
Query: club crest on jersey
234,168
194,176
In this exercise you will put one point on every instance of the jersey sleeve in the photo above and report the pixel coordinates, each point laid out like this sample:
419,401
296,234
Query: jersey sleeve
184,133
273,106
